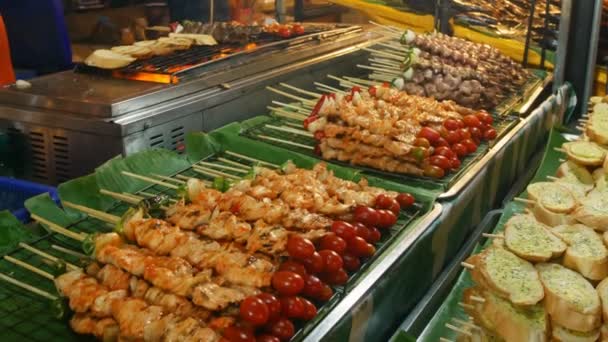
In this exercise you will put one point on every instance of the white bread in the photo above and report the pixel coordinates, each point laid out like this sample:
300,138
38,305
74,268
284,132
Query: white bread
134,51
570,299
585,152
552,196
586,252
600,177
604,333
561,334
107,59
571,172
597,126
532,240
550,218
602,290
198,39
593,211
176,43
145,43
507,275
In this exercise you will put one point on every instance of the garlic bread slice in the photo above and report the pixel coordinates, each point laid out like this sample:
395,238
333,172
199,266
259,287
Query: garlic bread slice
586,251
572,172
532,240
570,299
507,275
585,152
552,196
602,290
600,178
561,334
549,217
593,211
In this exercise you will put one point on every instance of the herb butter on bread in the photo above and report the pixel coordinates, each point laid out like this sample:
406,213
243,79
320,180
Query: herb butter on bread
586,252
532,240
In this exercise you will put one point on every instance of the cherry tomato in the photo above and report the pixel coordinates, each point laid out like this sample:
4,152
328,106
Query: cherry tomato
337,277
395,208
299,247
309,120
317,150
441,161
429,134
405,199
332,261
282,328
287,283
254,311
366,215
319,135
293,266
475,132
441,142
297,29
314,264
460,150
455,163
236,334
343,229
383,201
359,247
422,142
387,218
443,132
374,236
465,133
313,287
434,171
326,293
451,124
460,123
362,231
333,242
310,310
267,338
485,118
284,32
351,262
471,121
272,303
292,307
453,137
490,134
470,145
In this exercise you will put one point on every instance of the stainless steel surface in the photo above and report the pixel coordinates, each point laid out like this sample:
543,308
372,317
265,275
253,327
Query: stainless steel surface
592,57
533,96
377,270
562,44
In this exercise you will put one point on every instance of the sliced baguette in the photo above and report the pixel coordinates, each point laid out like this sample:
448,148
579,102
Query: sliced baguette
571,172
585,152
570,299
561,334
145,43
107,59
550,218
586,251
532,240
604,333
552,196
507,275
602,290
600,177
198,39
176,43
134,51
593,211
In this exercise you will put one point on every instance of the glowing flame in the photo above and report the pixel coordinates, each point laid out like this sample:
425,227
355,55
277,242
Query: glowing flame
147,77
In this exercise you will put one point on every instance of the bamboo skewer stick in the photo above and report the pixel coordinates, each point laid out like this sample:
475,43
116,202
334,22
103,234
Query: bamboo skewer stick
150,180
466,306
46,255
580,128
285,142
28,287
221,166
232,162
478,299
552,178
443,339
383,78
361,81
286,94
168,178
298,108
182,177
383,63
386,27
302,91
383,70
291,130
58,229
493,236
234,154
465,323
384,66
121,197
29,267
100,215
398,51
559,149
214,173
293,124
70,252
459,330
287,114
523,200
330,88
385,54
467,265
561,160
343,83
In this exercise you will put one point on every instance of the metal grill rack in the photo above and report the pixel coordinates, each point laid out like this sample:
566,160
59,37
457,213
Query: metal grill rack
25,316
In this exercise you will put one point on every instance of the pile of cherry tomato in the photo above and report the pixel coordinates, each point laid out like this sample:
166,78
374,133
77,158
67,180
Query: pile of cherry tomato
441,150
309,272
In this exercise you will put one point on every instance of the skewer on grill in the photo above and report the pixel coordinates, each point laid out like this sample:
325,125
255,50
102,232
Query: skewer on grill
305,102
325,87
302,91
286,114
297,108
291,130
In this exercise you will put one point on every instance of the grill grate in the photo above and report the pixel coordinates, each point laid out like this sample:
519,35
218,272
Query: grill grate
26,317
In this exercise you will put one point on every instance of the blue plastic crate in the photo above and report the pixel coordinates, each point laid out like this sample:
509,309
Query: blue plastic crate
13,192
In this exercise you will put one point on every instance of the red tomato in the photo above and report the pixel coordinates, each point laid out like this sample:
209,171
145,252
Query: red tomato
460,150
453,137
387,218
319,135
298,29
434,171
314,264
292,307
460,123
326,293
485,118
272,303
441,161
299,247
395,208
444,151
465,133
475,132
422,142
470,145
337,277
383,201
455,163
287,283
359,247
284,32
235,334
332,261
351,262
282,328
309,120
471,121
293,266
405,200
317,150
451,124
362,231
490,134
429,134
443,132
366,215
333,242
310,310
254,311
343,229
313,287
441,142
374,235
267,338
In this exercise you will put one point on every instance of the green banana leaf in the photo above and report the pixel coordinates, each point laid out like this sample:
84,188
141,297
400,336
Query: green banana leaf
12,232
